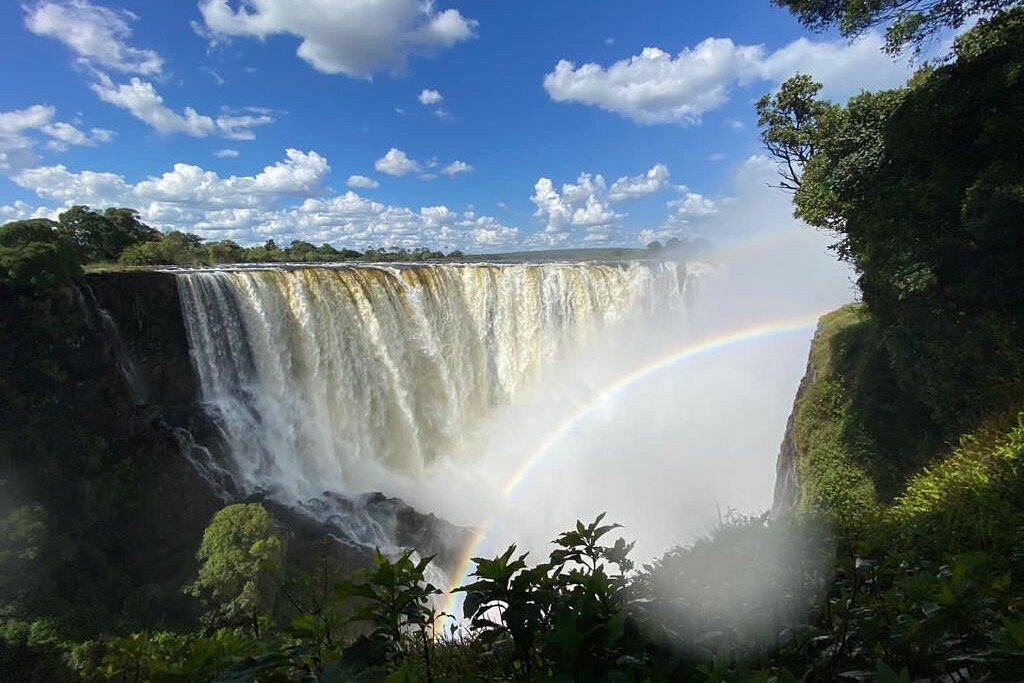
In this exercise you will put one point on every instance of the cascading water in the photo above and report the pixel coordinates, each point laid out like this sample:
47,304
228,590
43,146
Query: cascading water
335,378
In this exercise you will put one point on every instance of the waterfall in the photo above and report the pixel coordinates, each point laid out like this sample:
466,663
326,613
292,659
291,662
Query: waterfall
313,373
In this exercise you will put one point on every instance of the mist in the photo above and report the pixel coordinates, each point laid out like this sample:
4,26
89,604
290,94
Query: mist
676,450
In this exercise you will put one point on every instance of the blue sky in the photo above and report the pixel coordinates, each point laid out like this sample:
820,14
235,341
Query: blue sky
475,125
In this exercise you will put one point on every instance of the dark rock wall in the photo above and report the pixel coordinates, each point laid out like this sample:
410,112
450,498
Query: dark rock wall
172,502
145,307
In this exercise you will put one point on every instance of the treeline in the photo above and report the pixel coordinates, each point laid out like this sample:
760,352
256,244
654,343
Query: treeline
117,236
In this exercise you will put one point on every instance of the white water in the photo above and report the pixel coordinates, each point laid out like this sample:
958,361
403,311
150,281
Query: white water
359,378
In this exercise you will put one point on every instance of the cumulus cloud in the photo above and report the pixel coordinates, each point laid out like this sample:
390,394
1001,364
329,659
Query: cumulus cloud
656,87
299,174
583,204
357,38
253,208
429,96
396,163
17,146
98,35
226,153
455,168
631,187
141,99
362,181
692,204
19,210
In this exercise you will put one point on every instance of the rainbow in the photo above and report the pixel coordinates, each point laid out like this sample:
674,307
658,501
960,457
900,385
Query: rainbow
678,356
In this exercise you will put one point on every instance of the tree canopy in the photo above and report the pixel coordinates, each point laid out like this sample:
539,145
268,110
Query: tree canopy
239,556
907,22
924,187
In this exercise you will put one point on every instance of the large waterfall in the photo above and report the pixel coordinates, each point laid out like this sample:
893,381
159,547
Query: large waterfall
317,375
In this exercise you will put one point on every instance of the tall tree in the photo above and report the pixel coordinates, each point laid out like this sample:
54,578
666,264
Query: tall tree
791,120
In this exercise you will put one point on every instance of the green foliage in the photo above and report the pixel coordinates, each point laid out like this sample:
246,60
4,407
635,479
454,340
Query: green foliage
566,619
396,605
792,120
33,256
104,236
908,22
240,558
924,186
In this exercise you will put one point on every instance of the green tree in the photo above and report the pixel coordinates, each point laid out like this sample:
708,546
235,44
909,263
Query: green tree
791,124
104,236
34,255
240,559
907,22
924,186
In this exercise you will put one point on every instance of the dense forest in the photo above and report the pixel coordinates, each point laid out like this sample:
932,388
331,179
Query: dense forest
899,558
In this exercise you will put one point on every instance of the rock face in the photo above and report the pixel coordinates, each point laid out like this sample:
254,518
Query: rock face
144,306
138,410
787,480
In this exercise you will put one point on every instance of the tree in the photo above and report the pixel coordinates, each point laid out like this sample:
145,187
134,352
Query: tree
104,236
34,255
790,122
908,22
240,557
924,186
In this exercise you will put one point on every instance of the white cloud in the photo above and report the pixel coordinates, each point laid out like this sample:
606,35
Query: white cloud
692,204
299,174
429,96
17,147
36,116
97,35
716,157
455,168
226,153
141,99
442,114
65,135
631,187
353,37
19,211
580,205
655,87
396,163
88,187
362,182
239,127
253,208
